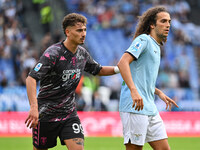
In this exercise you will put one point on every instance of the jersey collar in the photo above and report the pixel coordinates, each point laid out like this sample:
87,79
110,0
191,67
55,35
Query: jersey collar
154,40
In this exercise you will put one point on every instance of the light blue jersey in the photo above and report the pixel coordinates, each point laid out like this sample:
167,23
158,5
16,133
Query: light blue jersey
144,71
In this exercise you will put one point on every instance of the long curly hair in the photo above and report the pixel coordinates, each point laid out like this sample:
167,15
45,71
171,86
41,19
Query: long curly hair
148,18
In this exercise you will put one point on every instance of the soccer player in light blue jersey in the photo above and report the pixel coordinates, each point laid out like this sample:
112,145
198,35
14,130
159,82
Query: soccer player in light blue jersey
139,67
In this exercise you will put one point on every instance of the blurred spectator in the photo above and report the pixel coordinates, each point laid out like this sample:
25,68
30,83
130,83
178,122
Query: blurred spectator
98,105
163,78
173,79
46,17
105,17
183,79
57,36
46,42
182,61
80,103
36,4
3,79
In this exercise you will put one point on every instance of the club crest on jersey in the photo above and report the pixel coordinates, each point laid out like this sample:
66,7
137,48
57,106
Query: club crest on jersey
137,46
38,66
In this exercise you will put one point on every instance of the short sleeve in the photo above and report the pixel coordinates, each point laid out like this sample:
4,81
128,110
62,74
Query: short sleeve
137,46
91,65
44,65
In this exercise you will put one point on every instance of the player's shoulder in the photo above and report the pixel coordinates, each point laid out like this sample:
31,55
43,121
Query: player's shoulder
54,50
82,49
143,37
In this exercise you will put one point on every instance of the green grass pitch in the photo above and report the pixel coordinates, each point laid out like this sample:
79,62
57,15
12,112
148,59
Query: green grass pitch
100,143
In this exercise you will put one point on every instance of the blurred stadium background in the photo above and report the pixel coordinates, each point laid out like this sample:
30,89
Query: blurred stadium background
28,27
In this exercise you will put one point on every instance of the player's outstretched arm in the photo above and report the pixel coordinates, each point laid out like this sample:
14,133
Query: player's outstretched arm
108,70
168,101
32,119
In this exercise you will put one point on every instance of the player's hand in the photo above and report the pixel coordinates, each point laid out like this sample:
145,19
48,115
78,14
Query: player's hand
32,119
137,100
168,101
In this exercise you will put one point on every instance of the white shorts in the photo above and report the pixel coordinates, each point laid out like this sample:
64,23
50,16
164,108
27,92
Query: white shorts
140,129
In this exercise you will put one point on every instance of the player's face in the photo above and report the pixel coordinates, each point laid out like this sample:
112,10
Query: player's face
162,25
77,33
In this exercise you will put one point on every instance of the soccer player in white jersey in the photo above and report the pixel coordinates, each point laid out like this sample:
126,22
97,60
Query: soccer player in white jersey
139,67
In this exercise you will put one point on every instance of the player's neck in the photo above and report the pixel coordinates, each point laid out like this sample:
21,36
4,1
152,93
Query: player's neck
70,46
155,37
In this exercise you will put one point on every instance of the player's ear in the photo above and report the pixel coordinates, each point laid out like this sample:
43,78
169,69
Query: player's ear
152,26
67,31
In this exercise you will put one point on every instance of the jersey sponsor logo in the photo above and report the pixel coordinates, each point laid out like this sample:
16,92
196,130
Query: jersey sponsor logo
38,66
71,74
